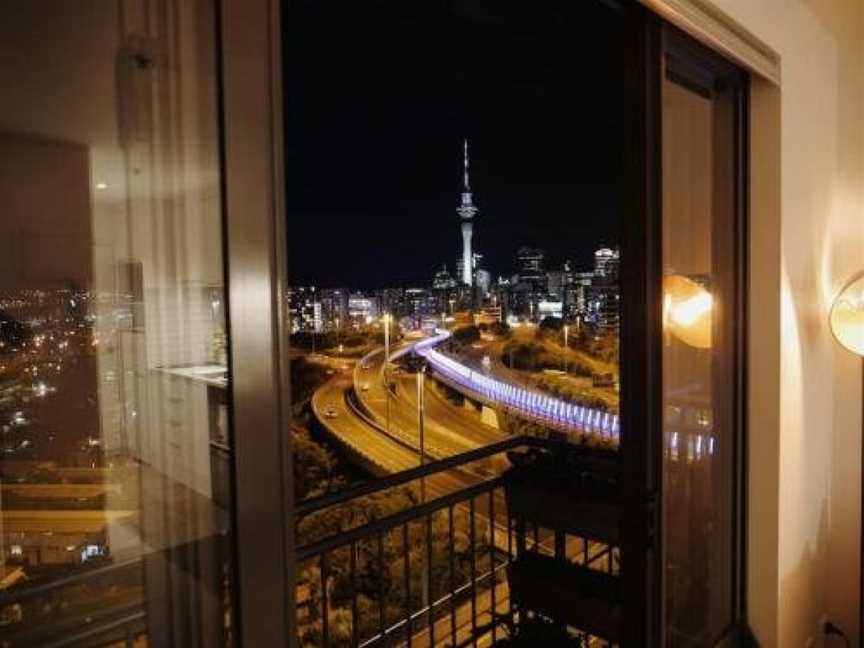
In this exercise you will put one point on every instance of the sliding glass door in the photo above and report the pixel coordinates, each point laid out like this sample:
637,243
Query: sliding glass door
120,468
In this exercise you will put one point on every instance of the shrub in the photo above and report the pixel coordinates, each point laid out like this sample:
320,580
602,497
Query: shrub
466,334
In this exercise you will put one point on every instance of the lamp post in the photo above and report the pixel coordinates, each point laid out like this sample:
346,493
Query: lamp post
386,338
566,332
846,320
421,407
386,368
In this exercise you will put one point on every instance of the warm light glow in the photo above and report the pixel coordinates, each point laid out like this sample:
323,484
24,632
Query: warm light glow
847,316
687,311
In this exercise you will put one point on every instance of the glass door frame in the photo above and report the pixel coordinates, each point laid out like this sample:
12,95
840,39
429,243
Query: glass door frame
256,265
255,246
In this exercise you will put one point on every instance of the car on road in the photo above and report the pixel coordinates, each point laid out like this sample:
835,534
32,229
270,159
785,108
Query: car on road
330,413
364,387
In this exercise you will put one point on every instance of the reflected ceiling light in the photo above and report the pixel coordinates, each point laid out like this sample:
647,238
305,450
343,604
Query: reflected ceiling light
101,185
687,311
847,316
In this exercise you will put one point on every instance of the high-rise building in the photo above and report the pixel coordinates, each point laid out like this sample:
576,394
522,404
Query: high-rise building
603,307
420,304
531,267
483,279
556,282
443,279
391,300
361,308
466,210
334,307
576,294
606,263
549,308
304,309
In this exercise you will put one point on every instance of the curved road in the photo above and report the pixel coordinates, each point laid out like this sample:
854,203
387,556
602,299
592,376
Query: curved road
377,449
449,429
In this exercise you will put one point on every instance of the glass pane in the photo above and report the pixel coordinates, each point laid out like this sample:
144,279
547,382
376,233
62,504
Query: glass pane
457,180
698,358
114,426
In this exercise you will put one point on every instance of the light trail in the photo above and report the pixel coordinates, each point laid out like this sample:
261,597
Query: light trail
533,404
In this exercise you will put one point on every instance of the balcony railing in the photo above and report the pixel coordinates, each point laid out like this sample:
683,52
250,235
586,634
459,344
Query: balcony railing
76,610
442,572
473,566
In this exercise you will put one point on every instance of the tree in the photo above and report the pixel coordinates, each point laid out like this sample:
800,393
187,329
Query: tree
306,377
466,334
551,323
315,467
501,329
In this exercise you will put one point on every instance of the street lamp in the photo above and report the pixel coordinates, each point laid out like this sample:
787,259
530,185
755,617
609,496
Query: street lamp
386,338
421,408
566,332
386,368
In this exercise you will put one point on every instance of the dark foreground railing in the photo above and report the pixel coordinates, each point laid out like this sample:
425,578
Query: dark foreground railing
173,596
469,564
440,572
83,608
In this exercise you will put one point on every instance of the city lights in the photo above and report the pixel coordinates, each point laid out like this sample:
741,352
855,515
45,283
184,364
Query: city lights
550,410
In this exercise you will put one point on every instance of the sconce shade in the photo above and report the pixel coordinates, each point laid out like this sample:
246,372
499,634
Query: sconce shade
847,316
687,311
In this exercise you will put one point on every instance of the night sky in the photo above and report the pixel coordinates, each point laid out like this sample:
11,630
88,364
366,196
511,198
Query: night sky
378,96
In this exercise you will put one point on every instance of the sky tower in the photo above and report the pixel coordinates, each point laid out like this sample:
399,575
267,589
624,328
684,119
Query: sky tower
466,211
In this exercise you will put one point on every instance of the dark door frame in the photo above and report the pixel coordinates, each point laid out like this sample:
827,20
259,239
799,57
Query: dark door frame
693,65
640,350
643,579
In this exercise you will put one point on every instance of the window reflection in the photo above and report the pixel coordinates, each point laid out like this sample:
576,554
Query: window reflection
114,436
698,356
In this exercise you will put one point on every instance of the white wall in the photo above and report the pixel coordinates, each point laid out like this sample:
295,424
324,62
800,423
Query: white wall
806,436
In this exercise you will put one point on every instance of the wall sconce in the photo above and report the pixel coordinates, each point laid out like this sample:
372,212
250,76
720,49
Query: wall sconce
847,324
847,316
687,311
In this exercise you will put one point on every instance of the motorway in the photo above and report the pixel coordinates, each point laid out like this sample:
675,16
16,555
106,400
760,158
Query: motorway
449,429
382,454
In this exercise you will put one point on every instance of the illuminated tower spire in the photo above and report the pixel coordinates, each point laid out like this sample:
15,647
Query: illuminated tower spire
466,211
